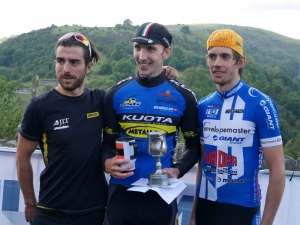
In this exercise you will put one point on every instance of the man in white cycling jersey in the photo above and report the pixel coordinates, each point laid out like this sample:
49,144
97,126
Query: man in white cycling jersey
239,128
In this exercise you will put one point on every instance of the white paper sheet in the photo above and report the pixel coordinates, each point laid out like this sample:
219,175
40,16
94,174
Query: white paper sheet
168,193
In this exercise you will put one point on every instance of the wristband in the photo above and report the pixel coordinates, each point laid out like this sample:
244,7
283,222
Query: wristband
31,205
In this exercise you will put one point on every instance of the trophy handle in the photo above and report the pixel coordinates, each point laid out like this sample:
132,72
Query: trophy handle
162,145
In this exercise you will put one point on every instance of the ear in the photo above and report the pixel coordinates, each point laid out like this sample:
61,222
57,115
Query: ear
206,59
167,53
241,61
89,68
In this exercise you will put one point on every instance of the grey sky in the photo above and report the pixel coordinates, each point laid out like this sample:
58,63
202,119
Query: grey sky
280,16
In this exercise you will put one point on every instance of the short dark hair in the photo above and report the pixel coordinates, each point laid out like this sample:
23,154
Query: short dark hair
236,57
71,41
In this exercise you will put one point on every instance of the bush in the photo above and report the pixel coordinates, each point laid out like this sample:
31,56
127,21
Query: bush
11,110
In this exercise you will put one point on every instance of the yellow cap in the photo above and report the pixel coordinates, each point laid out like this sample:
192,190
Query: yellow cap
226,38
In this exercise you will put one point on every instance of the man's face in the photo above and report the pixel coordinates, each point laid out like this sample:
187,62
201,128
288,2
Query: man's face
149,58
70,68
223,68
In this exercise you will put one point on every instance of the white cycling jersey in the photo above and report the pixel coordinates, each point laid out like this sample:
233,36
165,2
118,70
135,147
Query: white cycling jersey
234,126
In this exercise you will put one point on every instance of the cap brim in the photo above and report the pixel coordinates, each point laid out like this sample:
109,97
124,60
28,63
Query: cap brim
145,40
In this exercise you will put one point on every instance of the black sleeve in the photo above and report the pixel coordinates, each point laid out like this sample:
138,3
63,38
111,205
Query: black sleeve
111,127
189,126
188,159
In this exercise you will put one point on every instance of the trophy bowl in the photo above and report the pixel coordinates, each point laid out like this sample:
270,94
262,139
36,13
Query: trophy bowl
157,147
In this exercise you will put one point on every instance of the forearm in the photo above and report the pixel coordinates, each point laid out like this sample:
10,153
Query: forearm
275,160
273,197
25,178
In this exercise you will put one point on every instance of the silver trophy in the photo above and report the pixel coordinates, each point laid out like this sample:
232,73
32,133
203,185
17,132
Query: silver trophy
157,147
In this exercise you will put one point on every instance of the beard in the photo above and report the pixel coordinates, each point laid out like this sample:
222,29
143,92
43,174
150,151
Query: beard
221,83
71,87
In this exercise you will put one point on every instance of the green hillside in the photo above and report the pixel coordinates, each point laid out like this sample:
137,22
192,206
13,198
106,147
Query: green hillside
273,63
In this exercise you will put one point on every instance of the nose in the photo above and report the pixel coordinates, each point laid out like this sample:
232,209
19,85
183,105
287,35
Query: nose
143,54
66,67
218,61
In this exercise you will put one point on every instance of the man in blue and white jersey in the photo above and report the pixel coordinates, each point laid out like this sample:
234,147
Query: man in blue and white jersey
147,101
239,128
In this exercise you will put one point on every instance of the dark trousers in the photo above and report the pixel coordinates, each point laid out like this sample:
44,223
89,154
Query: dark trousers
137,208
217,213
54,217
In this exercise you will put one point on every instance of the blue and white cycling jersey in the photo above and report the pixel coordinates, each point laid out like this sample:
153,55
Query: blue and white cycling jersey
234,126
136,106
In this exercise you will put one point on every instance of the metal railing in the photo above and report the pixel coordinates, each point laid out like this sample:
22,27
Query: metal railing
14,150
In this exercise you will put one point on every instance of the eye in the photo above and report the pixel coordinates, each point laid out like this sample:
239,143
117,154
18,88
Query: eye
137,47
75,62
211,56
58,61
226,56
151,49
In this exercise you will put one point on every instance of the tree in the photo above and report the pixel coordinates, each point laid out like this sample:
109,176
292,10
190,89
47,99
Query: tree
292,147
105,69
11,110
293,105
127,21
124,67
18,56
185,30
3,70
119,52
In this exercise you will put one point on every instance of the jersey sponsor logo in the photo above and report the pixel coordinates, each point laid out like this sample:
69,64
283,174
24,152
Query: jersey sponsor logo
209,169
220,159
227,171
62,127
260,157
212,113
167,94
269,118
234,90
110,131
164,108
147,119
122,81
214,106
226,180
225,130
273,110
130,102
61,124
271,141
92,115
231,140
231,111
251,92
141,132
189,134
167,101
207,98
234,180
257,219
